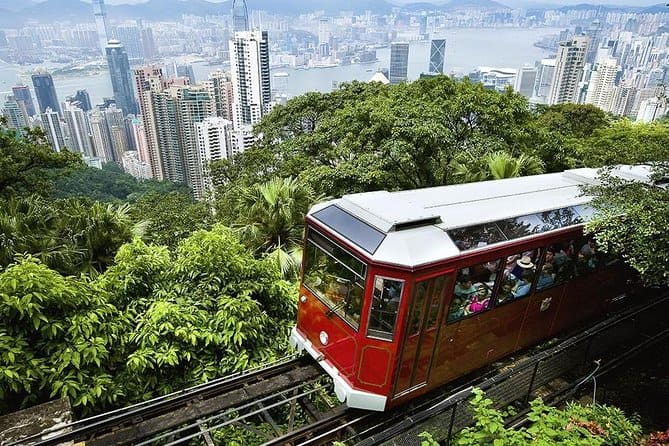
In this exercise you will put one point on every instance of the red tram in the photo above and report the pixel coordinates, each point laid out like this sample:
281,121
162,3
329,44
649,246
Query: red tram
402,292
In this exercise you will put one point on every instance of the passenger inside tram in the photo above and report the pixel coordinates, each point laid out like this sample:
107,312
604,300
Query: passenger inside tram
518,276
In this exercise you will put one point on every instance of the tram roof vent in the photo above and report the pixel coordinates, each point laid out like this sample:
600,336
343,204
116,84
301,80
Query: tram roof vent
388,212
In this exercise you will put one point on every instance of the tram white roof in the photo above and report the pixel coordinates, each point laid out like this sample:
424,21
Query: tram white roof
414,222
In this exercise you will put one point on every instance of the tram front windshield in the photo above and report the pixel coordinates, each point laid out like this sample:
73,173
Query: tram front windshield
334,276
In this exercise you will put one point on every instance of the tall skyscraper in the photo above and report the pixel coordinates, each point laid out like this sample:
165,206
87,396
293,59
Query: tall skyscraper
16,114
399,62
45,91
131,38
568,71
525,81
149,44
220,90
542,85
437,56
147,81
22,94
601,87
77,123
53,129
240,16
249,56
119,70
215,138
82,100
101,23
102,143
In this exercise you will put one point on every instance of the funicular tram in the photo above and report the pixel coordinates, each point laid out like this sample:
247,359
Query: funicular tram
402,292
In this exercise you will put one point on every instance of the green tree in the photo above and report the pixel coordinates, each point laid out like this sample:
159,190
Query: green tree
470,167
632,220
210,309
69,236
625,142
170,218
111,184
572,120
29,166
370,136
270,219
58,337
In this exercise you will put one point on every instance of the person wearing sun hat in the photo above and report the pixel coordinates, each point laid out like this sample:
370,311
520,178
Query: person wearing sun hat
522,264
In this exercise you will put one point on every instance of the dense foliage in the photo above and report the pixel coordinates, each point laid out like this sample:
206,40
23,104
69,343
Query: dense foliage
151,292
632,222
591,425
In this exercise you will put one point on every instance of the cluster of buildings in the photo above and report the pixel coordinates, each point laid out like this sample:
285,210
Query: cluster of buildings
617,70
160,124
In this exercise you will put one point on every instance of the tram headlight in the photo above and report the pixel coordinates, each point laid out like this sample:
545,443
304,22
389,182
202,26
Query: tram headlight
303,299
324,338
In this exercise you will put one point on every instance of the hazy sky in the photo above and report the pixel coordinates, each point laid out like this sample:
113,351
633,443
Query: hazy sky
512,3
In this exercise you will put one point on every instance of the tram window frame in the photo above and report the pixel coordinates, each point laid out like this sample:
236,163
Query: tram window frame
374,333
538,259
449,319
344,309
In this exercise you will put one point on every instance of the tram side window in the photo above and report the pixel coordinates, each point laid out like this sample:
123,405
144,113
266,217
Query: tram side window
558,266
472,290
518,275
587,256
385,306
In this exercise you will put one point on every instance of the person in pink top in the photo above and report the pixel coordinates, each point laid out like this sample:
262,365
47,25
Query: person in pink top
479,302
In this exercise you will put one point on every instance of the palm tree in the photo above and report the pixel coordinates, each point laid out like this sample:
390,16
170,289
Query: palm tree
270,219
472,167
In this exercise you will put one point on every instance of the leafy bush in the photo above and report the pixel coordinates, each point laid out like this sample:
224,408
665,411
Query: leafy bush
574,425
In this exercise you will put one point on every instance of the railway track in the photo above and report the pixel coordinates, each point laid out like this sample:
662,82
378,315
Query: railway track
143,420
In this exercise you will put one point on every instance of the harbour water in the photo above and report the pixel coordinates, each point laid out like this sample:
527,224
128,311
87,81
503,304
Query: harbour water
465,50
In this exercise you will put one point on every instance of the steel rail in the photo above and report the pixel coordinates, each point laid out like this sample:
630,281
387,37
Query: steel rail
86,427
236,409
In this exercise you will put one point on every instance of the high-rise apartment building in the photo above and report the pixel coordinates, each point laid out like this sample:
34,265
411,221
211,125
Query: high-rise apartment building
601,87
569,65
45,90
101,24
147,81
16,114
102,143
119,70
220,90
215,137
542,85
194,106
437,56
525,81
22,94
78,125
249,56
399,62
240,16
53,129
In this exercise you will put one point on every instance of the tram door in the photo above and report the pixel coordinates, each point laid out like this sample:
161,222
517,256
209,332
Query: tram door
421,334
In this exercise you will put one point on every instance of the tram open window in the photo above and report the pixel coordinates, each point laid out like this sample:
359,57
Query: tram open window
473,290
334,276
518,276
386,300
